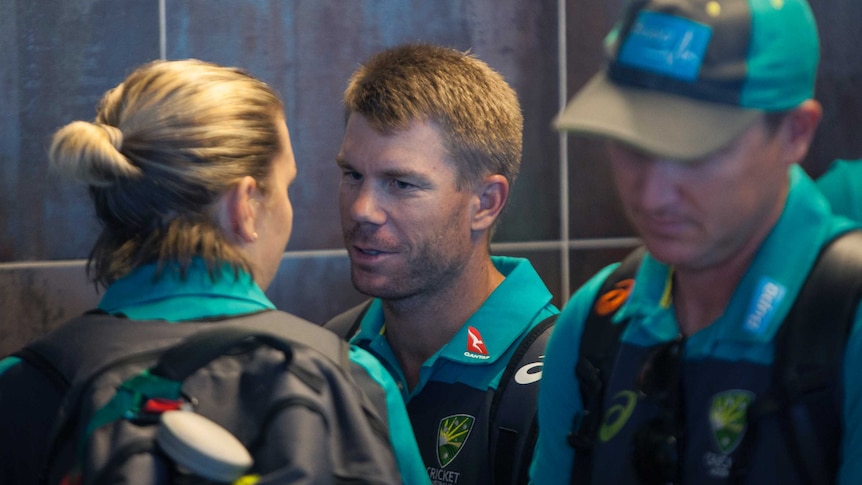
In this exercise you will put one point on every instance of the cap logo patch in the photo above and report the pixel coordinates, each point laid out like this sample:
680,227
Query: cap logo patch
667,45
475,343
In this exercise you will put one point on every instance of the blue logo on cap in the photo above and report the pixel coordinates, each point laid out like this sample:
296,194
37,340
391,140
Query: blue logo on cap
667,45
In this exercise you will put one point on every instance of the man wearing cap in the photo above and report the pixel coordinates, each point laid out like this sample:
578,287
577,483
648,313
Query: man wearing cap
707,108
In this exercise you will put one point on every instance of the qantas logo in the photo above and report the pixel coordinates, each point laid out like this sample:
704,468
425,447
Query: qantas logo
475,345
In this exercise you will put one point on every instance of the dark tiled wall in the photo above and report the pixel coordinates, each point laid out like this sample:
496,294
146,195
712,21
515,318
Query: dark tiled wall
59,56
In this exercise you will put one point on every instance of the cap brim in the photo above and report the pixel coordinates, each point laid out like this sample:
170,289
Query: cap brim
655,122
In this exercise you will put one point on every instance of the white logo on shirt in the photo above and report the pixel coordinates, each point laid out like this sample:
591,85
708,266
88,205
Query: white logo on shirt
530,373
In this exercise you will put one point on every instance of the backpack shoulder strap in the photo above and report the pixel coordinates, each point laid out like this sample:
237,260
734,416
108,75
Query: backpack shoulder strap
346,324
297,330
372,396
45,365
808,389
596,354
82,345
826,305
513,414
336,347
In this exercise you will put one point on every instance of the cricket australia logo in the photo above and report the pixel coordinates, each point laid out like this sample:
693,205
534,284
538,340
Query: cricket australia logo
451,436
727,418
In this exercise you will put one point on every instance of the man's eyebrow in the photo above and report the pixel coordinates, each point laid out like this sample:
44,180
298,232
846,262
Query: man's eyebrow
402,173
388,172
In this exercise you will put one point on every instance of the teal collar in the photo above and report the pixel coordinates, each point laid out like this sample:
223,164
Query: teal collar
141,295
515,304
499,322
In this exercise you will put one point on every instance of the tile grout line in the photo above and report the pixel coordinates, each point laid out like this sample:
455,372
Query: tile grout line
565,289
580,244
163,35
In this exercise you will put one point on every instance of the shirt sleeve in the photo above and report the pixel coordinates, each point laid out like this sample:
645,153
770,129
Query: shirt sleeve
407,454
559,396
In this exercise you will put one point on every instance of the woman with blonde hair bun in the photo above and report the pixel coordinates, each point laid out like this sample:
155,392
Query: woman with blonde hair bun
188,165
184,159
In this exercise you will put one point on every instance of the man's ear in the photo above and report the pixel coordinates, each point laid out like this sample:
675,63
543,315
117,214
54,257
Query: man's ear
799,129
237,211
491,196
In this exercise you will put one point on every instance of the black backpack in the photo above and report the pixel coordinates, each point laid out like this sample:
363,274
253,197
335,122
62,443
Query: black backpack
807,382
283,387
513,427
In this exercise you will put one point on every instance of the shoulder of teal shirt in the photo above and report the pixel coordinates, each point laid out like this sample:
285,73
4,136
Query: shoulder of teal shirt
841,184
406,449
559,396
7,363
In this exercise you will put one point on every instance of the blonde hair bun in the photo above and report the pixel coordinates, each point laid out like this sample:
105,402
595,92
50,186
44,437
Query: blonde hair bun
90,152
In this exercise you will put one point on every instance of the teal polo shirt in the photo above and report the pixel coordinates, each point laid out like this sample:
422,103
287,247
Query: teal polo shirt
743,332
519,303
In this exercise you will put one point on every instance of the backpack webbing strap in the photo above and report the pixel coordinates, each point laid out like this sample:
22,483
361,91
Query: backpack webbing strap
513,445
346,324
808,392
596,354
